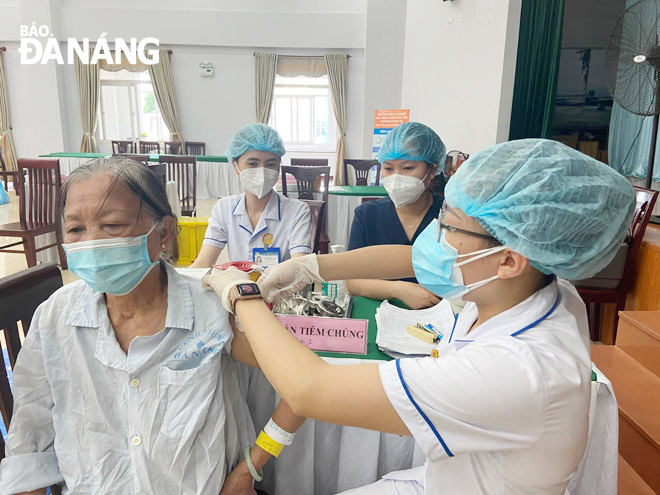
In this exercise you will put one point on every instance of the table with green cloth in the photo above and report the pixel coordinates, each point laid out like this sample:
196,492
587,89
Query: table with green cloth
215,176
324,458
342,201
364,308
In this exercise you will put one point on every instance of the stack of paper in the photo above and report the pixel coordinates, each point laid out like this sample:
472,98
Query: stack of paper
392,321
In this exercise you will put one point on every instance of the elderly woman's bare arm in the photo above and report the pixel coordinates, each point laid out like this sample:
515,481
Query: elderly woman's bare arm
346,395
283,415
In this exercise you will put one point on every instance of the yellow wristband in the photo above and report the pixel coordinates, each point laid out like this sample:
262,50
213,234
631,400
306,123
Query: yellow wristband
268,444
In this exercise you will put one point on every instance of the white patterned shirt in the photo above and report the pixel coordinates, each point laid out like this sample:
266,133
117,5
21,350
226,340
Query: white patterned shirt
167,417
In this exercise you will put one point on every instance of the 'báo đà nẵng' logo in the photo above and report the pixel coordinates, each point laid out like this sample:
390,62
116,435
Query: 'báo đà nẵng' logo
39,46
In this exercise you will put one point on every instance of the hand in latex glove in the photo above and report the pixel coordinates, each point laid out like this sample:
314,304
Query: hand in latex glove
285,279
222,281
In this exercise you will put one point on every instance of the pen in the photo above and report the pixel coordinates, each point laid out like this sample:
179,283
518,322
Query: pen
430,328
435,329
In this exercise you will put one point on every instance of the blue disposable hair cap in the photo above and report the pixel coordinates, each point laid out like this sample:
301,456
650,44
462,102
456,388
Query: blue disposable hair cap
566,212
258,137
415,142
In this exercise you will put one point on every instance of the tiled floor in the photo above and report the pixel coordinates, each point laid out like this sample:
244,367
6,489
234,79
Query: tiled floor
12,263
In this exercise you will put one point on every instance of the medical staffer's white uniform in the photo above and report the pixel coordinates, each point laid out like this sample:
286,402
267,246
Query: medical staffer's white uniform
503,409
287,220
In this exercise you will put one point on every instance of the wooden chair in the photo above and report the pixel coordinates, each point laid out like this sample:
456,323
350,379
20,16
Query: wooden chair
149,147
309,162
596,295
160,169
39,208
182,169
172,147
317,209
306,178
362,169
123,147
195,148
144,159
20,294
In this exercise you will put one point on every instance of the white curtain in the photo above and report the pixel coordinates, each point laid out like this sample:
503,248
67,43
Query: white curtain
163,84
337,66
89,93
6,139
264,84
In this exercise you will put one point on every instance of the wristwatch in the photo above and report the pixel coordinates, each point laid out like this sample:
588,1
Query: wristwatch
243,291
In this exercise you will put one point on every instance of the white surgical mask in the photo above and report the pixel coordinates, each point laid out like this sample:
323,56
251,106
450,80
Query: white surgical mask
259,181
404,189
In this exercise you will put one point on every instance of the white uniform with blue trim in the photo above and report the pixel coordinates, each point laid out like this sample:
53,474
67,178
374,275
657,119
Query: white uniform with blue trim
504,408
288,220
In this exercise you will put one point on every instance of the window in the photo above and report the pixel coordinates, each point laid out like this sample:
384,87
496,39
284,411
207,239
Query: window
302,113
129,109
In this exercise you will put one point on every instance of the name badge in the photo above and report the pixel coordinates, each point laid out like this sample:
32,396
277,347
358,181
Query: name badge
266,257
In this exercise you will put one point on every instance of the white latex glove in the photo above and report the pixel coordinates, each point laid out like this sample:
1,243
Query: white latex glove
285,279
222,281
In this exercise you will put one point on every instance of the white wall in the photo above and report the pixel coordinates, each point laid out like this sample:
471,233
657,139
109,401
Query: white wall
451,63
225,33
459,68
383,68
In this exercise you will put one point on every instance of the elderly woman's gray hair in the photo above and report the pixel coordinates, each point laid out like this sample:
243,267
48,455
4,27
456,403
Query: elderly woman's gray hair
139,179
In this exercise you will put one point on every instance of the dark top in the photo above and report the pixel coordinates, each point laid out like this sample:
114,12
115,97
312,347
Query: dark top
376,222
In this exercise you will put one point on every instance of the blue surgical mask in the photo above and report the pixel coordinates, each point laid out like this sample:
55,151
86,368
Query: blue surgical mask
115,266
436,267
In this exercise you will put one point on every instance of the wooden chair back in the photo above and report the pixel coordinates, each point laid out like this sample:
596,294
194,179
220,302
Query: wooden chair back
306,178
195,148
123,147
38,185
20,294
41,180
306,181
182,169
172,147
644,204
362,169
317,210
149,147
309,162
160,169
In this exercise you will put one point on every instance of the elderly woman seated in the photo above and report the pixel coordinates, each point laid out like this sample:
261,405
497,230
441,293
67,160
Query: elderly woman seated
125,382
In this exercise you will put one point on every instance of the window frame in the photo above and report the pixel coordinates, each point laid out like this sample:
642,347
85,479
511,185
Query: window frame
308,146
134,100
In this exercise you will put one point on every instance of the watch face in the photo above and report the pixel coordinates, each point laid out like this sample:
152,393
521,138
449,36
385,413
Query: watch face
248,289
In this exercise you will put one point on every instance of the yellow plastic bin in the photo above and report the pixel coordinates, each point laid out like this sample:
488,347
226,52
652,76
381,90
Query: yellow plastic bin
191,236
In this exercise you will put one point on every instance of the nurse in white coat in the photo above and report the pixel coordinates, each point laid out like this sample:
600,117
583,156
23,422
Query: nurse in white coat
260,222
501,406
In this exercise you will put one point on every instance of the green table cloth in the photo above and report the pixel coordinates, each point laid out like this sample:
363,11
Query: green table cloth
357,191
